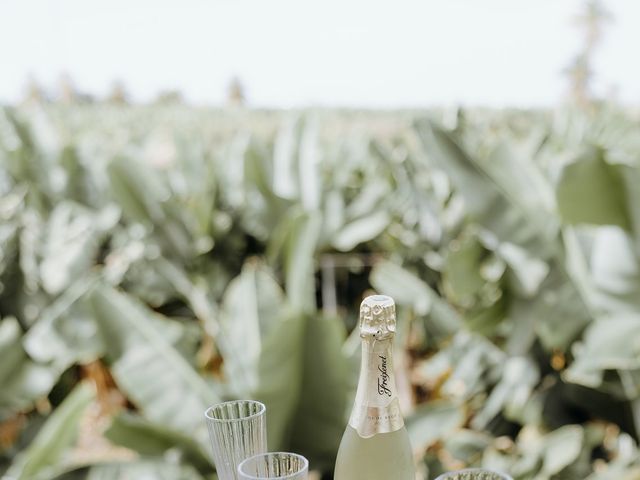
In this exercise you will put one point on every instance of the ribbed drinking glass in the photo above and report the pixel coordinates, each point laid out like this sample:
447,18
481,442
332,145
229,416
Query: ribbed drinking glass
278,465
474,474
237,430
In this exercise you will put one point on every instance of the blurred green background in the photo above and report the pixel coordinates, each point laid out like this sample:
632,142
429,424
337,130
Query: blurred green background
156,259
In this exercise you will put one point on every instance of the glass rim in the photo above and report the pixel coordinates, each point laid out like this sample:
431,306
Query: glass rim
445,475
305,464
262,409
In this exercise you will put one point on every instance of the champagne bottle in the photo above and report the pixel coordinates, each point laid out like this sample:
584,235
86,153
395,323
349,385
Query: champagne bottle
375,444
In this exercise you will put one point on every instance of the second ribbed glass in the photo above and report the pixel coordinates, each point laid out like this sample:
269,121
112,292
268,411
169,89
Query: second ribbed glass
237,431
474,474
274,465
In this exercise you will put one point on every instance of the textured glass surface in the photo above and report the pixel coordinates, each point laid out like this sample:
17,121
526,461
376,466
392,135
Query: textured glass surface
474,474
237,431
274,465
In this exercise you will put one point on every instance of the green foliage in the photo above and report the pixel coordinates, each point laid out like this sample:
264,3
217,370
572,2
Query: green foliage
174,258
153,374
591,191
46,452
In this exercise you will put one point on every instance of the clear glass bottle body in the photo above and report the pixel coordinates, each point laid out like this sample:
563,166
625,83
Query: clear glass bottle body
385,456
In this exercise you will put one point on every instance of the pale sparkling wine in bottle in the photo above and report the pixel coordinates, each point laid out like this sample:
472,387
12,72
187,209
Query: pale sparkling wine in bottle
375,445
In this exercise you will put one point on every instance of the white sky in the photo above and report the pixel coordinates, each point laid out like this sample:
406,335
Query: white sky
367,53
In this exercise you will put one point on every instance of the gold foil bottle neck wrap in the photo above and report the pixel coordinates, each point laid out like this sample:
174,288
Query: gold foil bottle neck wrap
377,317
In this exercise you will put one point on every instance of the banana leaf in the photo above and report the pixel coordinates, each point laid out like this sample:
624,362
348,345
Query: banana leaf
46,453
146,366
23,380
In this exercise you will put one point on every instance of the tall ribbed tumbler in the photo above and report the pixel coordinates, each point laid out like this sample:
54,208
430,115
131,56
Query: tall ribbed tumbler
237,431
474,474
275,465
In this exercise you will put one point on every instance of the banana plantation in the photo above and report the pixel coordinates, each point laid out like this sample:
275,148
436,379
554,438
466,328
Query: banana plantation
155,260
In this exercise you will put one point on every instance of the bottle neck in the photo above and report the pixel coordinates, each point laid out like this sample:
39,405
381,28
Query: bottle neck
377,408
376,385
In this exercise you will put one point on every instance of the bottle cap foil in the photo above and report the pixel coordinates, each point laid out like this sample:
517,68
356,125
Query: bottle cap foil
378,317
